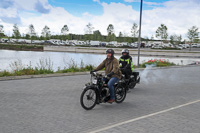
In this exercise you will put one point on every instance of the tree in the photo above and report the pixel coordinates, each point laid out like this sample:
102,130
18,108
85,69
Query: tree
1,31
16,33
152,37
162,32
110,29
120,34
64,30
27,36
193,34
134,30
196,40
111,37
120,37
32,30
89,28
46,32
32,33
175,39
172,39
97,35
179,39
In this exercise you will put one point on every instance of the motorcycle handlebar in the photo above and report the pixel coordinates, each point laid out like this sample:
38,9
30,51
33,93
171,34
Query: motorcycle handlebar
98,74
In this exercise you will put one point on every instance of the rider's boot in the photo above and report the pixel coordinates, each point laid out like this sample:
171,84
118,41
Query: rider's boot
111,101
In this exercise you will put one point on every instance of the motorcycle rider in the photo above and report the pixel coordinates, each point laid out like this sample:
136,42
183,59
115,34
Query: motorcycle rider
126,64
112,71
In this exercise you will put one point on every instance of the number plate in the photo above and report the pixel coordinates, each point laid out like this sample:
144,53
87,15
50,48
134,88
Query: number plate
94,81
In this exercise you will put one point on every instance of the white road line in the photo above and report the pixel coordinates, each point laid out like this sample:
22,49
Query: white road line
143,117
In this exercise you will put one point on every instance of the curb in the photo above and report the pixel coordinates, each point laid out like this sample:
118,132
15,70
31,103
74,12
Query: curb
42,76
79,73
155,68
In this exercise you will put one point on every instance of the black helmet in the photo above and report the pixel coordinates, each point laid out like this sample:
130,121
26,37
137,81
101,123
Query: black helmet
110,51
125,51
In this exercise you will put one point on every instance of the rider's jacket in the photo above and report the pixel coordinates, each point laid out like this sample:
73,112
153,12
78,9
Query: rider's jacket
110,65
126,62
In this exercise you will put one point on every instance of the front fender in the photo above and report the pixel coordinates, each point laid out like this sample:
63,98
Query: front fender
90,87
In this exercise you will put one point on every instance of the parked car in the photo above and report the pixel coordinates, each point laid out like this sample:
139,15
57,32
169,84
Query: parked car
183,46
179,47
134,45
157,47
194,45
187,45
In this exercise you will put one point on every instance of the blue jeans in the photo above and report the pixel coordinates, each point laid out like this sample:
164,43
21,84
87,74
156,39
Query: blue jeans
110,84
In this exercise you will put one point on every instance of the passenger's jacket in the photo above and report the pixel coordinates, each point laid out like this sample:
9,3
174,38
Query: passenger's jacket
126,62
110,65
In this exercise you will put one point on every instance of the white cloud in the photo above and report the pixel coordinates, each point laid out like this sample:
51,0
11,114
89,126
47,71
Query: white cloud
178,16
98,1
152,3
129,0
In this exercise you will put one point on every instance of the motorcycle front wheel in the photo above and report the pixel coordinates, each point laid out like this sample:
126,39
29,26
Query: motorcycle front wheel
120,93
88,99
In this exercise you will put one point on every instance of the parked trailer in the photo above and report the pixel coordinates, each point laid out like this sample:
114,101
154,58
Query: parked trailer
4,40
81,43
37,41
103,44
94,43
28,41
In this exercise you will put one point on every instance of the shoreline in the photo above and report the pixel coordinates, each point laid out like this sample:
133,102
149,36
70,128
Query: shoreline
143,52
101,50
21,47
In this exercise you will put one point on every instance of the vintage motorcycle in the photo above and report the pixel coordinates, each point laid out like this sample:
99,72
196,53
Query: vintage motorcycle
133,80
97,91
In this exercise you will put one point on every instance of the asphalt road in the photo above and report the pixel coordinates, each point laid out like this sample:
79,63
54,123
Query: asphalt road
166,100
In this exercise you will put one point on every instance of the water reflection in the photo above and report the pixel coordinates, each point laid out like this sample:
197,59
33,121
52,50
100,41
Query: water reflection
62,59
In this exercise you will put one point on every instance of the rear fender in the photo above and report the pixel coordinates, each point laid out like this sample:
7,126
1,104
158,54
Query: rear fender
122,83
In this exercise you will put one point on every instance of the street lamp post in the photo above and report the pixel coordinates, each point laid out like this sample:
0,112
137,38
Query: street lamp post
139,38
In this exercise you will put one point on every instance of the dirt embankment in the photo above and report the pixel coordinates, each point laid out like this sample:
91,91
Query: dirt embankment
21,47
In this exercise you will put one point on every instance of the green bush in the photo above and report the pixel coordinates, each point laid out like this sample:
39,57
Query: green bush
5,73
76,69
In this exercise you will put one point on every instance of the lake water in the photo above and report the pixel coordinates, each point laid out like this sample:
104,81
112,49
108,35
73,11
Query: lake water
63,59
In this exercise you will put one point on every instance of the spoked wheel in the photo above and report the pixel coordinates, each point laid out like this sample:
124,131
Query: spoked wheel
88,99
120,93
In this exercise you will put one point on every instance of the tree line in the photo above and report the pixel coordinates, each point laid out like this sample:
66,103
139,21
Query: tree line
91,34
192,35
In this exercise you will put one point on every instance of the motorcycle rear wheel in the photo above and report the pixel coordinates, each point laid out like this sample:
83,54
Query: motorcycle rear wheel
132,84
88,99
120,93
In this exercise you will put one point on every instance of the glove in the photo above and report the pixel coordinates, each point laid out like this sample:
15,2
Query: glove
92,71
110,74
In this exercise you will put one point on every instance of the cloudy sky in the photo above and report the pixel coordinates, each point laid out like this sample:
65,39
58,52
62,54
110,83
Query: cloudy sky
177,15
